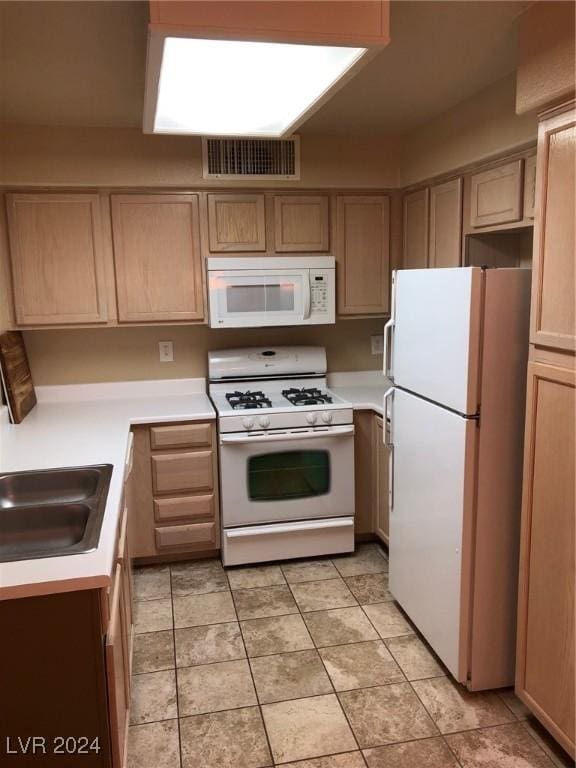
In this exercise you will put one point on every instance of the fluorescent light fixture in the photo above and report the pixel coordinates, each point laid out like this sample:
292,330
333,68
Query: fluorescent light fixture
229,88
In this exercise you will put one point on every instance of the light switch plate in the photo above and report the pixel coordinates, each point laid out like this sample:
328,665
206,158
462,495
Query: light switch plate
166,349
377,345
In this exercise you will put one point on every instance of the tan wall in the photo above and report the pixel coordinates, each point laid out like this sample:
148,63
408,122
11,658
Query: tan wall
123,354
112,157
484,125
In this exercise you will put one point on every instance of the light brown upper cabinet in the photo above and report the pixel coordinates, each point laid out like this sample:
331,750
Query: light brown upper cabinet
545,652
301,223
157,258
236,223
445,224
415,230
529,187
496,195
57,256
363,254
553,298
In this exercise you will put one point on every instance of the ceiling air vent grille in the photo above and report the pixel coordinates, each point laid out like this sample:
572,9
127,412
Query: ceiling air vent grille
251,158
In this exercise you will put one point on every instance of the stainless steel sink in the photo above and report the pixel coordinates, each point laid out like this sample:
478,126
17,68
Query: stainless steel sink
52,512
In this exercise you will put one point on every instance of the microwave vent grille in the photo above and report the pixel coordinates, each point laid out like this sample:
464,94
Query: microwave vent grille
235,158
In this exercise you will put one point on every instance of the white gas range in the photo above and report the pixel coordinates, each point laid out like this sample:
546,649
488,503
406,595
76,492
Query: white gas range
286,446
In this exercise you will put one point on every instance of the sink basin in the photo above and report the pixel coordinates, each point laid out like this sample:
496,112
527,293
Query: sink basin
52,512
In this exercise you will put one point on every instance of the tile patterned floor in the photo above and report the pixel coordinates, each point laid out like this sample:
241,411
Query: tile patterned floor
305,665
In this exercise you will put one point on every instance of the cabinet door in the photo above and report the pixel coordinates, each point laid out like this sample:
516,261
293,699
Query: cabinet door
445,224
545,653
381,470
157,258
364,472
301,223
363,255
236,223
415,230
496,195
57,255
529,187
117,669
553,316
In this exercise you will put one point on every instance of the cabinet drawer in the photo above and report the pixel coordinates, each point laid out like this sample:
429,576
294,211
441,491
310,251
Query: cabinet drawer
186,535
182,471
181,436
184,507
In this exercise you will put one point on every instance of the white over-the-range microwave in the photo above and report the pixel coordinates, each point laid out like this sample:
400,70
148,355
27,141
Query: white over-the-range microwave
253,291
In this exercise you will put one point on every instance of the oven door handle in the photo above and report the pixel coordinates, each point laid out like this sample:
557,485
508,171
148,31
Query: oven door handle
268,437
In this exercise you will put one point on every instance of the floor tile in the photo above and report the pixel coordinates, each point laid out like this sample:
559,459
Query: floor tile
414,658
264,601
260,576
307,728
388,620
559,757
205,645
152,615
276,634
289,676
360,665
153,697
453,708
514,704
369,588
198,610
233,739
215,687
154,745
347,760
153,651
508,746
322,595
309,570
198,578
342,625
387,714
151,582
425,753
365,560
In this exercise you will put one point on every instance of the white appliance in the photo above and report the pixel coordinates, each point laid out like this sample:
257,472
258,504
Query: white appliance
286,448
248,292
456,349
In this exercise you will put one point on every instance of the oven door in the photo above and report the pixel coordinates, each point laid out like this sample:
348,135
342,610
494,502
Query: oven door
250,298
281,475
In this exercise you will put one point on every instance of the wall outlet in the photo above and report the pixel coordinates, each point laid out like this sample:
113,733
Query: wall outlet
377,345
166,349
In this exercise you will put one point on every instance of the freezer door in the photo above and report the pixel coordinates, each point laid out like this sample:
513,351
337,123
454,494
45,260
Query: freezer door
430,521
436,335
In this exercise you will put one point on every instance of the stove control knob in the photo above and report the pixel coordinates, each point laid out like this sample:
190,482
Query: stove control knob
264,421
327,417
311,418
248,422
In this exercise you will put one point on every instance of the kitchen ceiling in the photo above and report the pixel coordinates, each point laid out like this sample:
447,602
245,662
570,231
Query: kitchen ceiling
83,64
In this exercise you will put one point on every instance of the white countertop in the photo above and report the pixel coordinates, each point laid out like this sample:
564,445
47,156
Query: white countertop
364,390
90,424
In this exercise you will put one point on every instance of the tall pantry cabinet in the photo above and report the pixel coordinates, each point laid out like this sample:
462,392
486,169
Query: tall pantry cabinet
545,649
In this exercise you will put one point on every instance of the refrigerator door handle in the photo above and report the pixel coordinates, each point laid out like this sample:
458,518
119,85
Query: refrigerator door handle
390,478
388,395
389,332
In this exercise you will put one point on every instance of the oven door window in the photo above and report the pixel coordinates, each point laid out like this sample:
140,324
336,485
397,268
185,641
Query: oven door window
288,475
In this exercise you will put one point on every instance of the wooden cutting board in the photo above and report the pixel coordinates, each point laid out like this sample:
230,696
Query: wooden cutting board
16,376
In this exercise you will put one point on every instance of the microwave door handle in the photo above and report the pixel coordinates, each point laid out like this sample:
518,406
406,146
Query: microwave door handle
307,294
267,437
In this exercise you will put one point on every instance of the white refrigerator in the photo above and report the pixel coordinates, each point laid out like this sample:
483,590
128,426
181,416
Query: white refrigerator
456,350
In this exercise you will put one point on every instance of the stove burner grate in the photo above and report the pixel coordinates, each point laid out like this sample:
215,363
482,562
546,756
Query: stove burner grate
306,396
244,400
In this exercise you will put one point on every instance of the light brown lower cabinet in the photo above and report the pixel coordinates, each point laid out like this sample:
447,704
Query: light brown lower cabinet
371,476
176,507
545,650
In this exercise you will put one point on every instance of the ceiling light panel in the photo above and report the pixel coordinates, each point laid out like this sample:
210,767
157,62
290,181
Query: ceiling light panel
229,88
